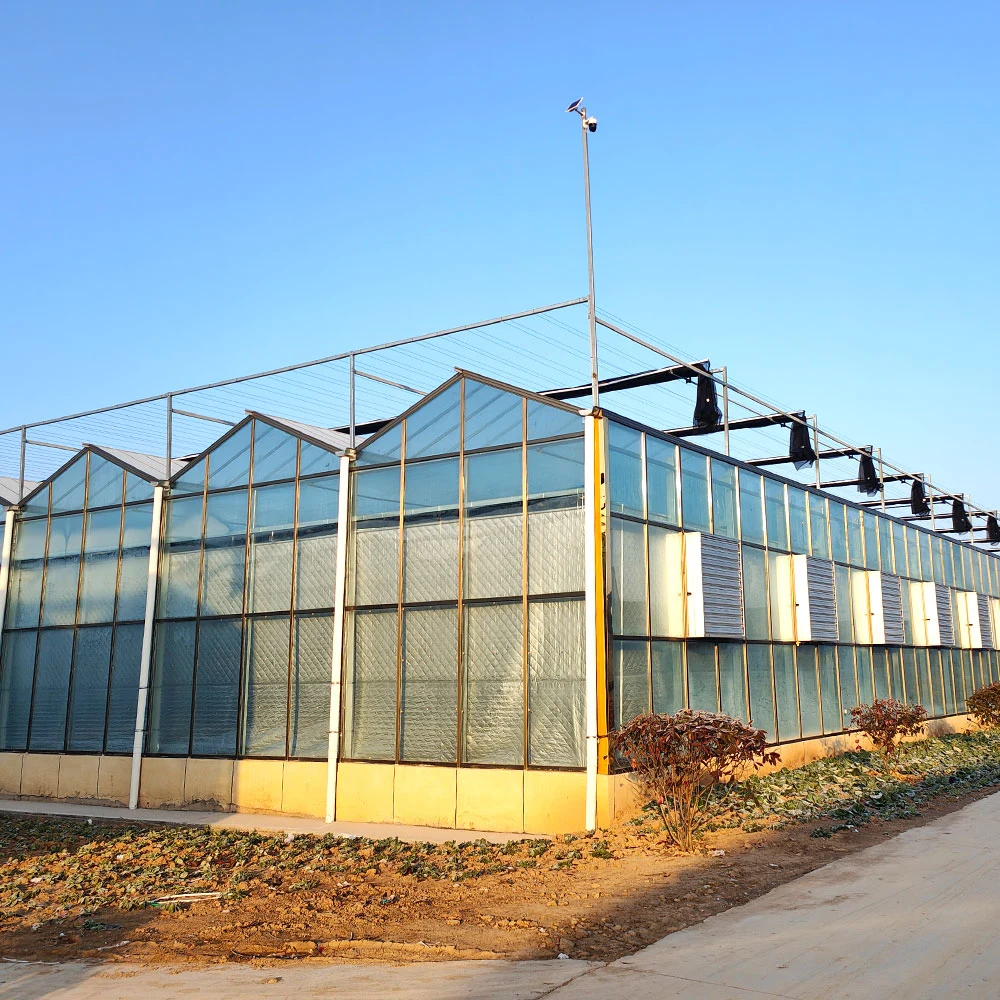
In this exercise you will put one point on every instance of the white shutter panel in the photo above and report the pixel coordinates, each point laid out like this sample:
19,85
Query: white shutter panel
715,592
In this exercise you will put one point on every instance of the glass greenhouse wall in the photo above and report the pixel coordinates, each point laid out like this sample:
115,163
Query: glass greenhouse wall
465,605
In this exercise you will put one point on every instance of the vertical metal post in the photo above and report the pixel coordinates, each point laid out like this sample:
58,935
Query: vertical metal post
24,449
881,480
352,401
930,498
170,433
5,554
591,300
815,423
972,531
145,655
590,507
725,407
337,666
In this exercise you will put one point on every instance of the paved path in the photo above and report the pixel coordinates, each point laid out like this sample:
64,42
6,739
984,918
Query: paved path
253,821
915,917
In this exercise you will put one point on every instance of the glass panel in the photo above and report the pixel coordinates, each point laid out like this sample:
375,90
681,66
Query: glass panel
430,534
885,545
225,554
62,570
899,547
855,539
880,666
181,559
106,481
432,429
942,663
494,525
100,566
39,504
797,520
88,703
138,489
808,678
370,696
273,453
135,563
556,683
229,462
313,459
819,529
376,538
265,713
493,685
838,532
845,618
829,687
316,552
723,498
551,421
703,686
217,687
429,712
866,687
628,578
625,469
751,507
912,689
386,448
661,480
761,689
124,688
896,675
732,680
694,491
666,582
784,690
913,553
16,680
25,585
668,677
170,698
272,517
48,707
69,486
312,657
192,480
848,682
780,599
555,521
755,593
777,527
492,417
871,542
555,470
631,680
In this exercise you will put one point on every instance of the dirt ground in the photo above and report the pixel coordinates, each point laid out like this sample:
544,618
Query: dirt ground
595,898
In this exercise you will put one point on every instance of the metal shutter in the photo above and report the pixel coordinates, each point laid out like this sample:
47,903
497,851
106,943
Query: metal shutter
946,620
722,592
822,600
892,609
985,621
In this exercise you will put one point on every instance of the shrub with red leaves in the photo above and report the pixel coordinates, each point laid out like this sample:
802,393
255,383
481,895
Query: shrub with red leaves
885,721
984,706
679,759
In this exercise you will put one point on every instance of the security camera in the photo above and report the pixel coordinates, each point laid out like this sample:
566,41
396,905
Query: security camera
591,124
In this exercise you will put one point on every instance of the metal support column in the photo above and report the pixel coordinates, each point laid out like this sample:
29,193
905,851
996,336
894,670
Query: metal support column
5,553
24,449
170,435
353,443
725,407
145,655
337,665
881,480
592,609
815,423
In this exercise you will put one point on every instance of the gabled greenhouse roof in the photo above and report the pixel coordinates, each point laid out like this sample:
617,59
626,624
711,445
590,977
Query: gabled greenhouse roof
149,467
325,437
9,488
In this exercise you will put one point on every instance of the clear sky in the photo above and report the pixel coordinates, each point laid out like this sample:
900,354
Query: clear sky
806,192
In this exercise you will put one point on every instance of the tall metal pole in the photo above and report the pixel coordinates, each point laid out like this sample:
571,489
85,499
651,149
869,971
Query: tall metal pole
591,301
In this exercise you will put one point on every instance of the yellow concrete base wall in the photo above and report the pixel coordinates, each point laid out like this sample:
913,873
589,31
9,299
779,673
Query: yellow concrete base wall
83,777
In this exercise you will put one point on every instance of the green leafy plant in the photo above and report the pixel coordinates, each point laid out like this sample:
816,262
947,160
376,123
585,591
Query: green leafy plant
679,760
885,721
984,706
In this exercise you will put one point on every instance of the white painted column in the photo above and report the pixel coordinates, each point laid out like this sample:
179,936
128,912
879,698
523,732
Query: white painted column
337,665
591,585
147,648
5,554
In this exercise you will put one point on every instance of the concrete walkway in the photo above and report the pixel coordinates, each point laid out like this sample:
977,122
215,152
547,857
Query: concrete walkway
915,917
253,821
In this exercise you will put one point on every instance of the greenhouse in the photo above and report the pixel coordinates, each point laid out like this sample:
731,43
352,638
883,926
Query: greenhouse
440,618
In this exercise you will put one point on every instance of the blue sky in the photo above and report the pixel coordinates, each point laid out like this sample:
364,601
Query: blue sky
804,192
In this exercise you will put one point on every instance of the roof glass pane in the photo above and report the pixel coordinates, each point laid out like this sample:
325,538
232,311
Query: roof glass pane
313,459
39,504
555,469
384,449
137,489
546,421
229,462
492,417
432,428
192,481
105,486
68,486
273,453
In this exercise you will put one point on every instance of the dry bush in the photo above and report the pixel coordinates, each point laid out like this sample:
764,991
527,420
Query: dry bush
679,759
885,721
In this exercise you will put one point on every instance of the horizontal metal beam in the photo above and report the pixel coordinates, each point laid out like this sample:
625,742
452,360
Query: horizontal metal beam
655,376
202,416
785,460
746,424
838,483
385,381
49,444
